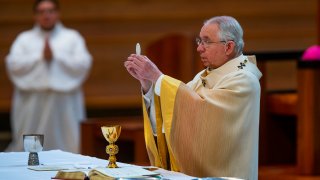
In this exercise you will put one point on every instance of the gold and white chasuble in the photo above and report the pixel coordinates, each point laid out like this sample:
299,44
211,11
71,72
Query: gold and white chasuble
211,124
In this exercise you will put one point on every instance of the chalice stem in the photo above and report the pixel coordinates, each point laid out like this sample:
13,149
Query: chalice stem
112,150
112,162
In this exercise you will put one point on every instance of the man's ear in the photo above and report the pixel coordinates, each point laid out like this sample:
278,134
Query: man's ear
229,47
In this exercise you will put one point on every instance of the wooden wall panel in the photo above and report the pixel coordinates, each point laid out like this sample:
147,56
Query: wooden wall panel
112,28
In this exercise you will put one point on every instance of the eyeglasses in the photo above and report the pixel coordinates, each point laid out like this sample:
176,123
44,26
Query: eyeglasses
207,42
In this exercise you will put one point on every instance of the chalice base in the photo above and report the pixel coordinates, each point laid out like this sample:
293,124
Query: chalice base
112,162
33,159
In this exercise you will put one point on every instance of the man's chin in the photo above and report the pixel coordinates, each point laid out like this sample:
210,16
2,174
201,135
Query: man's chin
47,28
205,64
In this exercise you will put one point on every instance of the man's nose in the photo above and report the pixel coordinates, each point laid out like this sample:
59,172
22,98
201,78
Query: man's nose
200,48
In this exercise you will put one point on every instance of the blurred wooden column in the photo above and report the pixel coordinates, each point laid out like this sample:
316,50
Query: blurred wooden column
308,157
318,21
174,56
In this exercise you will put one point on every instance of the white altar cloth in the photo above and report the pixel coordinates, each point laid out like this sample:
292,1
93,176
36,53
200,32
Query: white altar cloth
14,165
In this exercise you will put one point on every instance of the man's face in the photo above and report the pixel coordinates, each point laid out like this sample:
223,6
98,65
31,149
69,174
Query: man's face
212,50
46,15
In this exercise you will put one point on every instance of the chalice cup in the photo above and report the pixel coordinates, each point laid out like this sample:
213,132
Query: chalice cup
33,143
111,134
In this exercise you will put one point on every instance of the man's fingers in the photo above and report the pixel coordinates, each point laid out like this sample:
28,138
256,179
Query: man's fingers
136,60
133,73
133,65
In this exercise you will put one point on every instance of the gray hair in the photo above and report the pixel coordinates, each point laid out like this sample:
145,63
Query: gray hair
230,29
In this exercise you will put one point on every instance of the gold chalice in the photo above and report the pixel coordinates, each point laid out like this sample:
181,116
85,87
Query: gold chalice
111,134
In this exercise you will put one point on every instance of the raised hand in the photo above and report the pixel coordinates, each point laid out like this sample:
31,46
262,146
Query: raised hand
143,69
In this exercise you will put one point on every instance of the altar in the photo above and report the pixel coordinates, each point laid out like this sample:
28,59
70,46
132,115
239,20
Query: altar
14,165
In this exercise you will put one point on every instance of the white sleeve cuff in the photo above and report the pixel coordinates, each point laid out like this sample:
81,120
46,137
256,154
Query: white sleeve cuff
157,87
148,96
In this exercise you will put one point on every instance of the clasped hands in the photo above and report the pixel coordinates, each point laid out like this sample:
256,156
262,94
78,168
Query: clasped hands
47,52
143,69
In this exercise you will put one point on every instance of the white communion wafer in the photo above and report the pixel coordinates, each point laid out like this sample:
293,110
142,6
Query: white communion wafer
138,49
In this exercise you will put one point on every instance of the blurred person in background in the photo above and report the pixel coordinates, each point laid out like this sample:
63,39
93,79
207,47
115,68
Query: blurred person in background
47,66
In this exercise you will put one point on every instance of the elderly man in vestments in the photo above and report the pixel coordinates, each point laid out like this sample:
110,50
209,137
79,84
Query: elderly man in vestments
47,66
209,126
